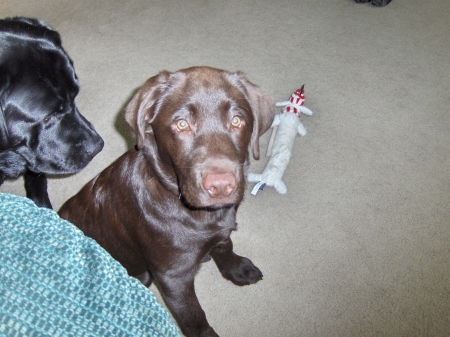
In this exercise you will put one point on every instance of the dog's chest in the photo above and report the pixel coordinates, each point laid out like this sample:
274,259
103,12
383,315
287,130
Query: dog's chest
201,226
213,223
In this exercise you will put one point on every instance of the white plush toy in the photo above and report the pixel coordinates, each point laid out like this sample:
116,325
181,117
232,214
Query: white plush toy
285,126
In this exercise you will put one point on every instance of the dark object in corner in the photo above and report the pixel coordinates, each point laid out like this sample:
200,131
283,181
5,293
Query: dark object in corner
376,3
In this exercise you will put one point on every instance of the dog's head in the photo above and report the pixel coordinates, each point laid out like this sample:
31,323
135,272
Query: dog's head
195,127
38,85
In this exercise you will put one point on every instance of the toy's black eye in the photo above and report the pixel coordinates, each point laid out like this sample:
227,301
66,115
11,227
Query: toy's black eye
182,125
236,122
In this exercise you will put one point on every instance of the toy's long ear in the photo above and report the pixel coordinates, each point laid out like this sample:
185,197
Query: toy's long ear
262,109
138,113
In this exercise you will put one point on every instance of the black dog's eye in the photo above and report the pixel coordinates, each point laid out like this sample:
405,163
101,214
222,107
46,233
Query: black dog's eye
49,117
60,108
57,113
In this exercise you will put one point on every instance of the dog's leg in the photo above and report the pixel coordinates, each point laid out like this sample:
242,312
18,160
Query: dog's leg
238,269
179,295
36,188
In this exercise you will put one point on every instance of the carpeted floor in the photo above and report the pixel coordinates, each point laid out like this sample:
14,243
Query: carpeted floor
360,244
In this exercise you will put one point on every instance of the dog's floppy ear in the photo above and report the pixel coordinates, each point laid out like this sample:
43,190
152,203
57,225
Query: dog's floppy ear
262,109
4,84
139,114
138,111
3,130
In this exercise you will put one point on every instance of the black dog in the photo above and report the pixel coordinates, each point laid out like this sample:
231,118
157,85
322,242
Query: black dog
376,3
41,130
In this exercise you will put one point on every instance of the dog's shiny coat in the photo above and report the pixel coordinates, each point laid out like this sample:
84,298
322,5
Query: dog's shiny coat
41,130
163,207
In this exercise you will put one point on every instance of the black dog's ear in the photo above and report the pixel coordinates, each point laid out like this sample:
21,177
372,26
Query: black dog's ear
4,84
3,130
263,111
12,165
30,27
137,112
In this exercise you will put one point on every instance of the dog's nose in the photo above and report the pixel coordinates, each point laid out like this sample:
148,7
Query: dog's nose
219,184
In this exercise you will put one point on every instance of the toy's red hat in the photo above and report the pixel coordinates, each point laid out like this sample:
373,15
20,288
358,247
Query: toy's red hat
298,96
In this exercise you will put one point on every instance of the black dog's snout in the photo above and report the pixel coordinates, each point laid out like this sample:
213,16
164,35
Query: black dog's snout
99,146
88,141
91,147
88,150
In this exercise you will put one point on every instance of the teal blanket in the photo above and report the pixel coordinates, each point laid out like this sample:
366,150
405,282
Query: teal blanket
54,281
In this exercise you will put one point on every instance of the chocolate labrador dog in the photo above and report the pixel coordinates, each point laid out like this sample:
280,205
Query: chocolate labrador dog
170,203
41,130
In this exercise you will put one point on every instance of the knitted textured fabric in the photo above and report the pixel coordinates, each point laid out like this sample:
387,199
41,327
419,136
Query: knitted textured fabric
54,281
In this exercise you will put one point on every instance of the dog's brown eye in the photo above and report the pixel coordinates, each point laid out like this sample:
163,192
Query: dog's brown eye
236,122
182,125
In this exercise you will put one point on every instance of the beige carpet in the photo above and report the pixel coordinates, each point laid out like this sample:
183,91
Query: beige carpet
360,244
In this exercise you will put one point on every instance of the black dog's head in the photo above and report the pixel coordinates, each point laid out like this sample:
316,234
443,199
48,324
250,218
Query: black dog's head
41,129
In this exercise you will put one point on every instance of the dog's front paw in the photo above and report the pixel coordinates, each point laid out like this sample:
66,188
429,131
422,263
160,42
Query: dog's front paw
244,273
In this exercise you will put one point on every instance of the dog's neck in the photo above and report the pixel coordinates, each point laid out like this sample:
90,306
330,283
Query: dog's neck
154,164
